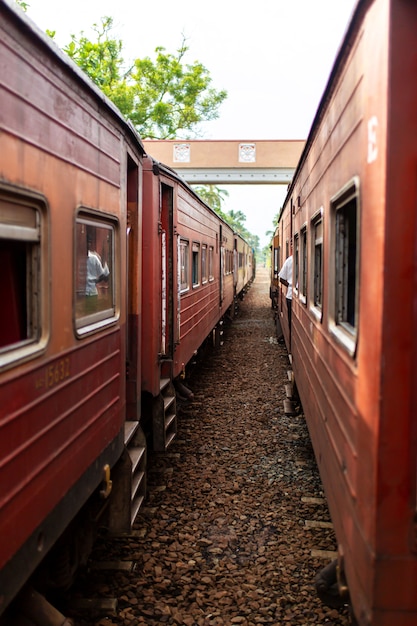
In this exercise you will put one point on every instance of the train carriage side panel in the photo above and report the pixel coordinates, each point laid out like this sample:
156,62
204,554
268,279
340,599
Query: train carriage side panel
352,351
397,447
227,269
331,373
202,298
62,381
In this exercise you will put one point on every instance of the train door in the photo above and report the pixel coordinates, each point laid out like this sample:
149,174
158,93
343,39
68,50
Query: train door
133,239
129,475
167,272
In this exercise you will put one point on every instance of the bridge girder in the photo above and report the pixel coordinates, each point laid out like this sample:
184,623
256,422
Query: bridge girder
236,176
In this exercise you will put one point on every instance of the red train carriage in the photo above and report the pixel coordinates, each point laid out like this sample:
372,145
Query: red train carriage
281,249
69,170
187,287
77,356
353,210
275,265
243,266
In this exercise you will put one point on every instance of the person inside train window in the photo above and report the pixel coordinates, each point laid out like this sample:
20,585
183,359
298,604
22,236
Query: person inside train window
96,271
285,278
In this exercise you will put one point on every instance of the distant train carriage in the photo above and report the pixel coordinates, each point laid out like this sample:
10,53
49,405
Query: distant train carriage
275,265
187,287
353,216
281,249
243,265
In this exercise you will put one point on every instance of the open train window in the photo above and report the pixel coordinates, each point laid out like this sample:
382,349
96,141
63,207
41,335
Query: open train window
302,284
196,264
345,248
296,262
23,263
317,261
184,254
204,263
95,242
211,263
276,257
231,261
241,260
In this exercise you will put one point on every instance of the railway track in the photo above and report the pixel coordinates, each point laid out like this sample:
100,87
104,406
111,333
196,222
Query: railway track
235,525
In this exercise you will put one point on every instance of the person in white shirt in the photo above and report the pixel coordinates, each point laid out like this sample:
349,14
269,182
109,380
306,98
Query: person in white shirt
96,272
285,277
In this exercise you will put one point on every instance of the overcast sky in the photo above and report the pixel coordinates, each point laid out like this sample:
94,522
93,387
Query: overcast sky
273,57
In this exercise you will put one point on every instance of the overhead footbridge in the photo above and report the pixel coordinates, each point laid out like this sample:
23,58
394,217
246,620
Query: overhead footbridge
214,162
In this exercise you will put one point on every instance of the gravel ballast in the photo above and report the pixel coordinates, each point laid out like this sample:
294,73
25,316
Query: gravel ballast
235,526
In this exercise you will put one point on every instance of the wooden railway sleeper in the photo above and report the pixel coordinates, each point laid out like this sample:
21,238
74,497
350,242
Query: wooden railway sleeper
36,608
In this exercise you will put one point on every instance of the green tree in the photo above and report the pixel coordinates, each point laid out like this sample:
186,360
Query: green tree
237,220
213,196
103,62
23,5
172,98
164,98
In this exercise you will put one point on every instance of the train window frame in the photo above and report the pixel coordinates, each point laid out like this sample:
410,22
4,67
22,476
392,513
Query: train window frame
211,263
195,264
303,276
241,256
317,259
276,255
184,264
343,278
204,259
24,230
296,261
90,315
230,262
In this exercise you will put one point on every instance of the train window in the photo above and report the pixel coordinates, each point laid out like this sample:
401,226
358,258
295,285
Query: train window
196,264
302,292
230,263
94,273
345,222
204,263
184,264
211,263
21,261
277,252
317,259
296,277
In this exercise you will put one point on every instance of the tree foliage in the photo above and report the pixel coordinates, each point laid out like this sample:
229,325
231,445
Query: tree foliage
213,196
23,5
164,98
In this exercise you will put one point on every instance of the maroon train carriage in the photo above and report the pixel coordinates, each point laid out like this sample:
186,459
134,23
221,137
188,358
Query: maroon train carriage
69,169
280,250
244,266
188,287
76,354
274,267
352,206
